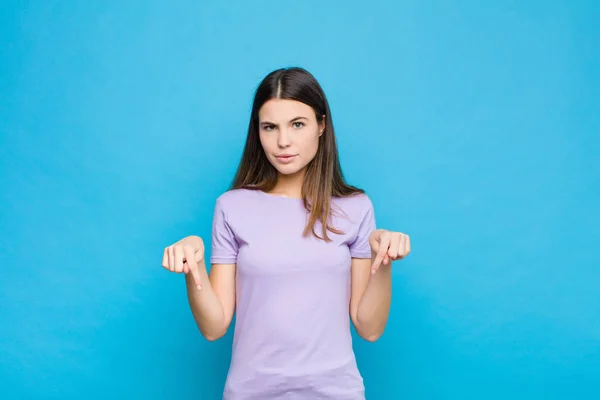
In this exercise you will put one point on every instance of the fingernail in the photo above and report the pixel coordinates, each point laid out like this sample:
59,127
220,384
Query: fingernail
198,287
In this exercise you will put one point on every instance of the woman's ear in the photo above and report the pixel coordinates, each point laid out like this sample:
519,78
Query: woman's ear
322,126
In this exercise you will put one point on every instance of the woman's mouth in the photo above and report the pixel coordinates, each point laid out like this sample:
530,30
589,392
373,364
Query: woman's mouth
285,158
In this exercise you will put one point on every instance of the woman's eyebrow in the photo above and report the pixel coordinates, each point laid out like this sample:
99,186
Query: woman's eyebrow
292,120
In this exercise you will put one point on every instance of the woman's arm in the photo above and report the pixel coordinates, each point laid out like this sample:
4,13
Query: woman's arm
213,306
372,282
370,298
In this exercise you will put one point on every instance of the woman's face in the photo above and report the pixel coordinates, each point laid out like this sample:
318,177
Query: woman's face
289,134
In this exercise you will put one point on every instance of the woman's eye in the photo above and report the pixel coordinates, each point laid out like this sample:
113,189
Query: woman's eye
298,125
268,128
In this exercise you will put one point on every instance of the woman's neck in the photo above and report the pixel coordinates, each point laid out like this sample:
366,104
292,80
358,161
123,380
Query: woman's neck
289,185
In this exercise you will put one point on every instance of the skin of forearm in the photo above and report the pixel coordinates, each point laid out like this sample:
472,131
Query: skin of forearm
205,305
374,305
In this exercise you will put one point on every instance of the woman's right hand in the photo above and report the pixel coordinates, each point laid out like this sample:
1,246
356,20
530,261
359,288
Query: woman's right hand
184,256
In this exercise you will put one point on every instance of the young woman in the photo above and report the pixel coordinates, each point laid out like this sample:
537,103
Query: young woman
296,254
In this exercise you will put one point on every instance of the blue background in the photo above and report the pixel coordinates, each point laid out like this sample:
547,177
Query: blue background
474,126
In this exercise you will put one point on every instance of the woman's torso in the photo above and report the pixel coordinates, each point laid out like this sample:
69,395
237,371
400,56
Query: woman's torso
292,337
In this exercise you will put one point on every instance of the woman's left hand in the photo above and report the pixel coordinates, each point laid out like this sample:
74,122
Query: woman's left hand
388,246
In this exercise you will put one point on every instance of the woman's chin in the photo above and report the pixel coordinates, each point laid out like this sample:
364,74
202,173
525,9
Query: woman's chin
288,170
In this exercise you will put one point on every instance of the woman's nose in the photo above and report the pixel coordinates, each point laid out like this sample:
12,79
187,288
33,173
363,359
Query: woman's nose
284,139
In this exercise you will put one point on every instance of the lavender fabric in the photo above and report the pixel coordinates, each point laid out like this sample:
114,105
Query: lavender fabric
292,337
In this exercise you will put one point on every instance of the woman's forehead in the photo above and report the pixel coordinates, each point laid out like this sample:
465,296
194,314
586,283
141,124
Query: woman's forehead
278,110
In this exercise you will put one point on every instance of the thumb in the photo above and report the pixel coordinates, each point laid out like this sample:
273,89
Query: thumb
193,265
379,246
374,239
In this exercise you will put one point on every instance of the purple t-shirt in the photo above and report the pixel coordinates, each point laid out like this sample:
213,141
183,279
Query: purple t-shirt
292,337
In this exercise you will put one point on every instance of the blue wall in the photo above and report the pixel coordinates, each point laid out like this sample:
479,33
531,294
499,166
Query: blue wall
474,127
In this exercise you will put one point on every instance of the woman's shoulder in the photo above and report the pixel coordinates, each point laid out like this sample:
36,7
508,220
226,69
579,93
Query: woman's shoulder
359,199
357,204
235,196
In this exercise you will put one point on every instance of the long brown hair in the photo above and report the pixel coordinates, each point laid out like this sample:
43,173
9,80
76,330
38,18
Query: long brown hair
324,178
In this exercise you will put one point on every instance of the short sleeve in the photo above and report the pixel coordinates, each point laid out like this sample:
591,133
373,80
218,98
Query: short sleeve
224,243
360,247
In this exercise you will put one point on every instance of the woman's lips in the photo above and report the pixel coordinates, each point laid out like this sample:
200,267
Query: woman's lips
285,158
